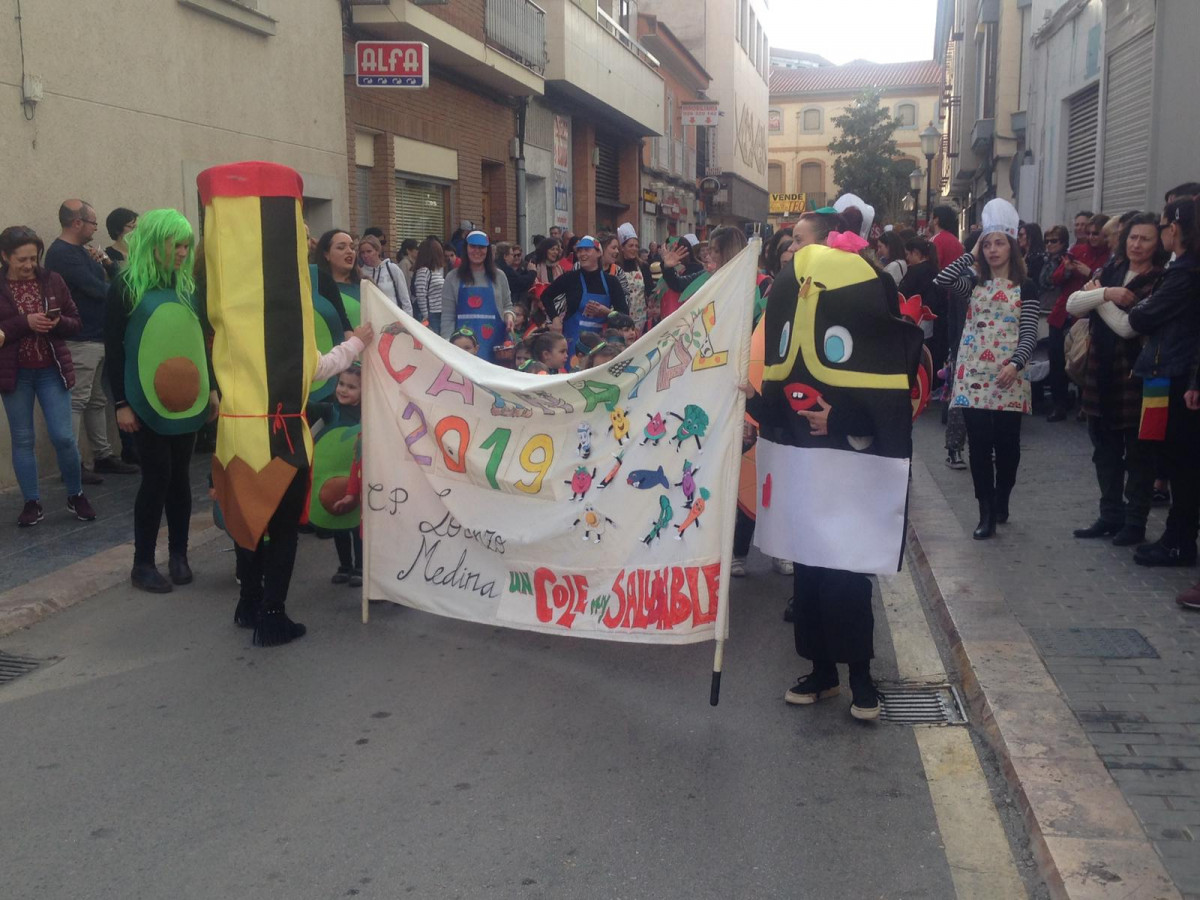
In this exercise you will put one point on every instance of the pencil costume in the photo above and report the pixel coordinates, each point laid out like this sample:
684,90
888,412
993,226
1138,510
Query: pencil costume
265,358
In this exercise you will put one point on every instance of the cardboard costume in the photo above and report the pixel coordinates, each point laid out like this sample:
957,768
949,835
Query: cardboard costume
837,500
264,352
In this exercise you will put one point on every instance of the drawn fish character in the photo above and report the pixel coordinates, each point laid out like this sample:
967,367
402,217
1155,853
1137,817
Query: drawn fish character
688,482
594,524
612,473
580,482
585,440
665,514
655,430
645,479
693,517
619,425
692,424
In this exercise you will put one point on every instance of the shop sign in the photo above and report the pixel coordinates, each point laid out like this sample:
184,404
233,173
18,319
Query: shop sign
562,143
650,208
649,196
788,204
561,199
402,64
699,113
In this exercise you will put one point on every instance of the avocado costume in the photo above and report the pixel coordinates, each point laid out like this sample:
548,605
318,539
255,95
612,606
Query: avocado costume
333,455
166,371
327,329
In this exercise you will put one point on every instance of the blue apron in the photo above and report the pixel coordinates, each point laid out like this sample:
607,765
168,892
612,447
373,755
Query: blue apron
476,309
579,322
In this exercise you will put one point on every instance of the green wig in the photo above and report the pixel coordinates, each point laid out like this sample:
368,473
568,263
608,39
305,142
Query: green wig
156,231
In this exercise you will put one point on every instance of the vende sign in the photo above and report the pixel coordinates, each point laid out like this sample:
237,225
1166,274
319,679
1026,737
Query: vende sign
403,64
699,113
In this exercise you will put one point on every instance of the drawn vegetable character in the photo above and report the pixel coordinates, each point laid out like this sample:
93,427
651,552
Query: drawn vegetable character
619,426
688,482
655,430
665,514
692,424
693,517
594,524
580,482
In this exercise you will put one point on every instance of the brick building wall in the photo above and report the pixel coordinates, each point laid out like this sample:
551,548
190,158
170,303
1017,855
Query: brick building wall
451,114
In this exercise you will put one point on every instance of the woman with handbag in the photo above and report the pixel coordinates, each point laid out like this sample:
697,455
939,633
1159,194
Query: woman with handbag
37,315
1170,319
383,273
1112,394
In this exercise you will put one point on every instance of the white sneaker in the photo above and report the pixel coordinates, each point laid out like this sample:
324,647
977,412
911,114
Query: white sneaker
782,566
737,568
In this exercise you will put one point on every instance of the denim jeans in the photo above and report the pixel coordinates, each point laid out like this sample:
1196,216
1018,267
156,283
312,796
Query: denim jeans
45,384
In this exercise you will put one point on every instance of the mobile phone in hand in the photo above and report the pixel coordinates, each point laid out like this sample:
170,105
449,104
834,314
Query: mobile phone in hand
54,314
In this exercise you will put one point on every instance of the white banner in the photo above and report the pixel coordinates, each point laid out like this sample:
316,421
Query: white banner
598,504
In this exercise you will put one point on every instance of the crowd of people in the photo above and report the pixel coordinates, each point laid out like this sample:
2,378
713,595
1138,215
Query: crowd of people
1020,312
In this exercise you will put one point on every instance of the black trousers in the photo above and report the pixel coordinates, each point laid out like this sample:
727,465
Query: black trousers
743,534
346,541
266,571
165,459
994,439
833,621
1181,455
1125,471
1057,379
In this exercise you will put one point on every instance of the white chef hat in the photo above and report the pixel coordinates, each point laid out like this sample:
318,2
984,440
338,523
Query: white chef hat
999,215
846,201
625,233
691,239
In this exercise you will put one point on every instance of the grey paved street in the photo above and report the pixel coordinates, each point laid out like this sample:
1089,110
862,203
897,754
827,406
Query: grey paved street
1142,713
161,755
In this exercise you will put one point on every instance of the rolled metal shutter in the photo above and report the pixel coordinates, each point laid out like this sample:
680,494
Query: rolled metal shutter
420,209
1083,119
362,197
1127,123
608,170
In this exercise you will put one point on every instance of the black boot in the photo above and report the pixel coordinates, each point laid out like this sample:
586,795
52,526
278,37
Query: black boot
987,521
275,628
178,569
146,577
246,614
1002,507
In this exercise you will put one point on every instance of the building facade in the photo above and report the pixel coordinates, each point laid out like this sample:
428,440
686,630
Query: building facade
804,102
126,107
671,202
729,38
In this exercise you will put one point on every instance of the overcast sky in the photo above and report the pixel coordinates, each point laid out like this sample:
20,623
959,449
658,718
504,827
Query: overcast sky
842,30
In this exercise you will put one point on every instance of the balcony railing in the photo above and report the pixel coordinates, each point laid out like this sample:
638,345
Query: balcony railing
518,29
612,27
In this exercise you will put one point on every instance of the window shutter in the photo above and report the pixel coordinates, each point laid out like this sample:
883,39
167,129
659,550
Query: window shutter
1082,130
420,209
1127,114
608,177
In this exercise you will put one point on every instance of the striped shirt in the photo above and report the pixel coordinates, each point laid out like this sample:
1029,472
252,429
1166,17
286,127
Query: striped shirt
427,292
961,277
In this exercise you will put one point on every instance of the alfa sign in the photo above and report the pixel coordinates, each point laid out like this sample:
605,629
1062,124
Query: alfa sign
402,64
699,113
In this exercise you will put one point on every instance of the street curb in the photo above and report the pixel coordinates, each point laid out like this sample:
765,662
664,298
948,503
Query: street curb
1087,840
30,603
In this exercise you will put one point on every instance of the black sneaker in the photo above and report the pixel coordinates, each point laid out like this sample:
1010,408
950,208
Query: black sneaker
341,576
1160,555
1128,536
812,688
30,515
148,578
865,705
355,579
114,465
954,459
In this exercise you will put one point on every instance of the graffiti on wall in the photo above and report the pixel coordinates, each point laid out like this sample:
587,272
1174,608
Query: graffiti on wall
751,138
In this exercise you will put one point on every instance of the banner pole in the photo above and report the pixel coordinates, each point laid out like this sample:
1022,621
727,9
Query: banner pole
748,258
363,489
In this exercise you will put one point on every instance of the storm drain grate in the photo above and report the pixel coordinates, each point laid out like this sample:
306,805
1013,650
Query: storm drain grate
925,704
1097,643
13,667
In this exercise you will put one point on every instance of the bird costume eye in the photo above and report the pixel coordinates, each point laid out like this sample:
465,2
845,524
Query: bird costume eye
839,345
785,339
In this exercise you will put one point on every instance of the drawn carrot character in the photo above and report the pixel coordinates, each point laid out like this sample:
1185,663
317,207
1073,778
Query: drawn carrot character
608,479
693,517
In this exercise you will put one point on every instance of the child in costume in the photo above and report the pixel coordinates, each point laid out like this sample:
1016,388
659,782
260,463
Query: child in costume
159,374
835,442
1000,334
333,424
265,358
550,349
464,339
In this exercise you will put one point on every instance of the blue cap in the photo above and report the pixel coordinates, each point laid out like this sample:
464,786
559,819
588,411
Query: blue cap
477,239
587,241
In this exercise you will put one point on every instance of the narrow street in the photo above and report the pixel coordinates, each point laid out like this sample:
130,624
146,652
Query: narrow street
157,754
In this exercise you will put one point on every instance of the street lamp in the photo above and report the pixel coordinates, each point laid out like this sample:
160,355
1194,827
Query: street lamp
914,184
931,138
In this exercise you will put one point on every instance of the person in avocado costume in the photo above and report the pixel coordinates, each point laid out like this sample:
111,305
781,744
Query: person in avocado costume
337,430
161,383
834,448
